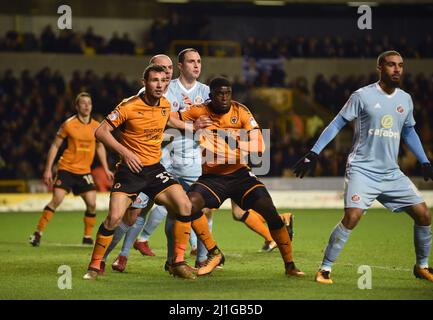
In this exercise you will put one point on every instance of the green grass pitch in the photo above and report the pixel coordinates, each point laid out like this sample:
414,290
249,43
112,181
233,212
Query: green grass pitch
383,241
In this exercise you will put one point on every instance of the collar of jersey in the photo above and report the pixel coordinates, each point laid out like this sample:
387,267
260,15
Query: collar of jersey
185,89
378,87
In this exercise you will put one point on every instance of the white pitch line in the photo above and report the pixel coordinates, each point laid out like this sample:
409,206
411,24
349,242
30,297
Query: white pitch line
238,255
377,267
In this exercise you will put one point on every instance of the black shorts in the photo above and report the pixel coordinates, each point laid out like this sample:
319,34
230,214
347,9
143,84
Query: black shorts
151,180
78,183
242,186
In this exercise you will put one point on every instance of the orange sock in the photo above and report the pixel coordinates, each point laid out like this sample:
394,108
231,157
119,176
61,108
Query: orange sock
255,222
46,216
201,229
89,222
181,232
103,240
281,237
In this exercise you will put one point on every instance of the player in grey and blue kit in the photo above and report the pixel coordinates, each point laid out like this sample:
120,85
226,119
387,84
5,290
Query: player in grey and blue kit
383,113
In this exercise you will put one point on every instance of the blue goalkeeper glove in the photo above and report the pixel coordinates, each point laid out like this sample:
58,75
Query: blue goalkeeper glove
307,164
427,171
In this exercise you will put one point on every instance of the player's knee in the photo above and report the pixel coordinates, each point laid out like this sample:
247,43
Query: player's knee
351,219
91,207
112,223
196,201
266,208
184,207
55,203
113,220
425,218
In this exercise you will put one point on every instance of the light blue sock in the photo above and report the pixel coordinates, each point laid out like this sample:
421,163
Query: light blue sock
338,238
193,239
422,239
201,248
169,227
155,218
118,235
131,235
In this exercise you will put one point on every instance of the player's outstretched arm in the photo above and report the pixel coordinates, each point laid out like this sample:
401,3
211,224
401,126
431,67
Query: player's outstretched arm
413,141
307,164
52,153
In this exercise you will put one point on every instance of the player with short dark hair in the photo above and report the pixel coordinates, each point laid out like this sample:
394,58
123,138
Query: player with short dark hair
225,175
73,168
383,113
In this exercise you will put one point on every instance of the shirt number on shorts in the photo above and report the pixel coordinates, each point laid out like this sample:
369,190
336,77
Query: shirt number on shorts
164,176
88,178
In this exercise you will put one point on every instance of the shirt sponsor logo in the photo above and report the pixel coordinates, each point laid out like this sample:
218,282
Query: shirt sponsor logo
384,133
387,121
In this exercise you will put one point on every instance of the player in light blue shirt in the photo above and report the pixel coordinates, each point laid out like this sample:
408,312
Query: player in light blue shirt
383,114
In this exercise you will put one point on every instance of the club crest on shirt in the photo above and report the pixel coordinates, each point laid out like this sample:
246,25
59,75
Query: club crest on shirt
356,198
163,112
233,120
400,109
175,105
198,100
113,115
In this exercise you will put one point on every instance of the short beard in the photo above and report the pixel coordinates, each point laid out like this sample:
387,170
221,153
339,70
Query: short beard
391,83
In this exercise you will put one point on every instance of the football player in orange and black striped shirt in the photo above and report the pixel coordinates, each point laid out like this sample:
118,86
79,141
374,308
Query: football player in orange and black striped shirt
73,168
225,174
141,120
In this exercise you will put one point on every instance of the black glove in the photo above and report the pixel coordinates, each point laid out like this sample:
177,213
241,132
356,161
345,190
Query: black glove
427,171
306,164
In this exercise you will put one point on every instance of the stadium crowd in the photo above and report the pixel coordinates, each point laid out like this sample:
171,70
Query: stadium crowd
163,31
33,107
